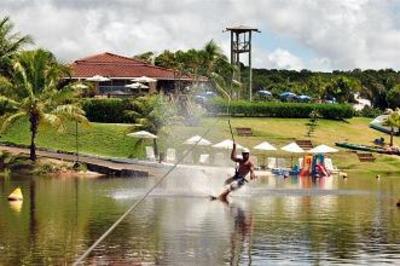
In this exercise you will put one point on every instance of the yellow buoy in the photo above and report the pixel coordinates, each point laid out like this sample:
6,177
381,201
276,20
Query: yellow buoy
16,195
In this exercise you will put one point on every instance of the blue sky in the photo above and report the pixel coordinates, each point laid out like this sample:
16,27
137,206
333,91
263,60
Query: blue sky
296,34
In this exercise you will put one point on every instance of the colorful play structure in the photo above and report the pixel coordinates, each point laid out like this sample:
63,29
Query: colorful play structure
314,166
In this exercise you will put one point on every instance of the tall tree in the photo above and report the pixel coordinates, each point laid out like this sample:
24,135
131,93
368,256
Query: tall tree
34,93
393,121
10,43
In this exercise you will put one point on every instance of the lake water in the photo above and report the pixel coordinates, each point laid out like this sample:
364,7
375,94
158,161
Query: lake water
272,221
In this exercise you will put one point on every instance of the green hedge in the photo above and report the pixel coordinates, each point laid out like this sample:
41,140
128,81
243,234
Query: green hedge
106,110
279,109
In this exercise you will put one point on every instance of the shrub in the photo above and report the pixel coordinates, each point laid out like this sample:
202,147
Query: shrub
279,109
107,110
368,111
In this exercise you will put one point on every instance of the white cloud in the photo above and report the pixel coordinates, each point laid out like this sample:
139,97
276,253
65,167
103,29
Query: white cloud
279,59
341,34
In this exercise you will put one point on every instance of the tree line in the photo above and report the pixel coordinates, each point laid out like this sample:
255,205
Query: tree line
381,87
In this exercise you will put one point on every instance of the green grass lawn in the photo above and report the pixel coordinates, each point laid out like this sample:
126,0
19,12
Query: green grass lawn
111,139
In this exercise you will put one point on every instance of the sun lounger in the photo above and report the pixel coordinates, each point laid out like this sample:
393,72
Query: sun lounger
271,162
329,166
204,159
171,155
150,153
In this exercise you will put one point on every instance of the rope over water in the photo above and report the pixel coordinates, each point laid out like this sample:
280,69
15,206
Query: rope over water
138,202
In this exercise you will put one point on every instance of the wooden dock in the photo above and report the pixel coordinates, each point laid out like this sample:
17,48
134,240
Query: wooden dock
107,166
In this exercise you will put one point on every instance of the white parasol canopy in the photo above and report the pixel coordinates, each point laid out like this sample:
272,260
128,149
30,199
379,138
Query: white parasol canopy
142,135
227,144
197,140
137,85
144,79
98,78
323,149
265,146
80,86
293,148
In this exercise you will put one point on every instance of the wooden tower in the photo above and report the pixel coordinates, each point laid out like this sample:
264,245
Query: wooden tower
241,43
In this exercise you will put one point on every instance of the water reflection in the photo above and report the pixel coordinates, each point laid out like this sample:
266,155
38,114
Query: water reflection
240,238
271,221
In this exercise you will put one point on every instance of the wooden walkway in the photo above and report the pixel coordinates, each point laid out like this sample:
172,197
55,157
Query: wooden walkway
108,166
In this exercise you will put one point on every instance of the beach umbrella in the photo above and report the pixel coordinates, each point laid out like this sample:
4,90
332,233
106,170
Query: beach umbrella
145,135
197,140
136,85
292,148
144,79
98,78
80,86
323,149
227,144
142,135
264,146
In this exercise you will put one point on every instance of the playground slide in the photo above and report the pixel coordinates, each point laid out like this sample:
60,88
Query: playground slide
306,165
322,170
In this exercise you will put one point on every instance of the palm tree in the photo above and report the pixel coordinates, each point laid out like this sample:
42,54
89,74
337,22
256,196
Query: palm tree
33,92
392,120
10,43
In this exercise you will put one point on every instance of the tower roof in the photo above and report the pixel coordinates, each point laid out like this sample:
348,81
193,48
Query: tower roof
242,28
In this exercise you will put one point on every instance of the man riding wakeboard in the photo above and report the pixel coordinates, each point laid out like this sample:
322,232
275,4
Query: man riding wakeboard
245,166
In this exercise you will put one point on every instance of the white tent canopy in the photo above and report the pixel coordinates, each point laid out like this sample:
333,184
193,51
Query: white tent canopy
227,144
142,135
293,148
144,79
323,149
197,140
265,146
98,78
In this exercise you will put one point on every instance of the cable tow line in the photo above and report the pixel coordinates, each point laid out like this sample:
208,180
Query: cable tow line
138,202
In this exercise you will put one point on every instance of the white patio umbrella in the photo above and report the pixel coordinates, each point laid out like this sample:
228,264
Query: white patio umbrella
197,140
146,135
142,135
136,85
144,79
80,86
323,149
97,78
292,148
264,146
227,144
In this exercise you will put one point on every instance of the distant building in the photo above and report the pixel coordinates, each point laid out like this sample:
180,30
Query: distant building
121,70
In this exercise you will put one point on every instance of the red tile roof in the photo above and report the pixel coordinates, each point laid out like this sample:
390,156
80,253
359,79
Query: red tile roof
119,67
